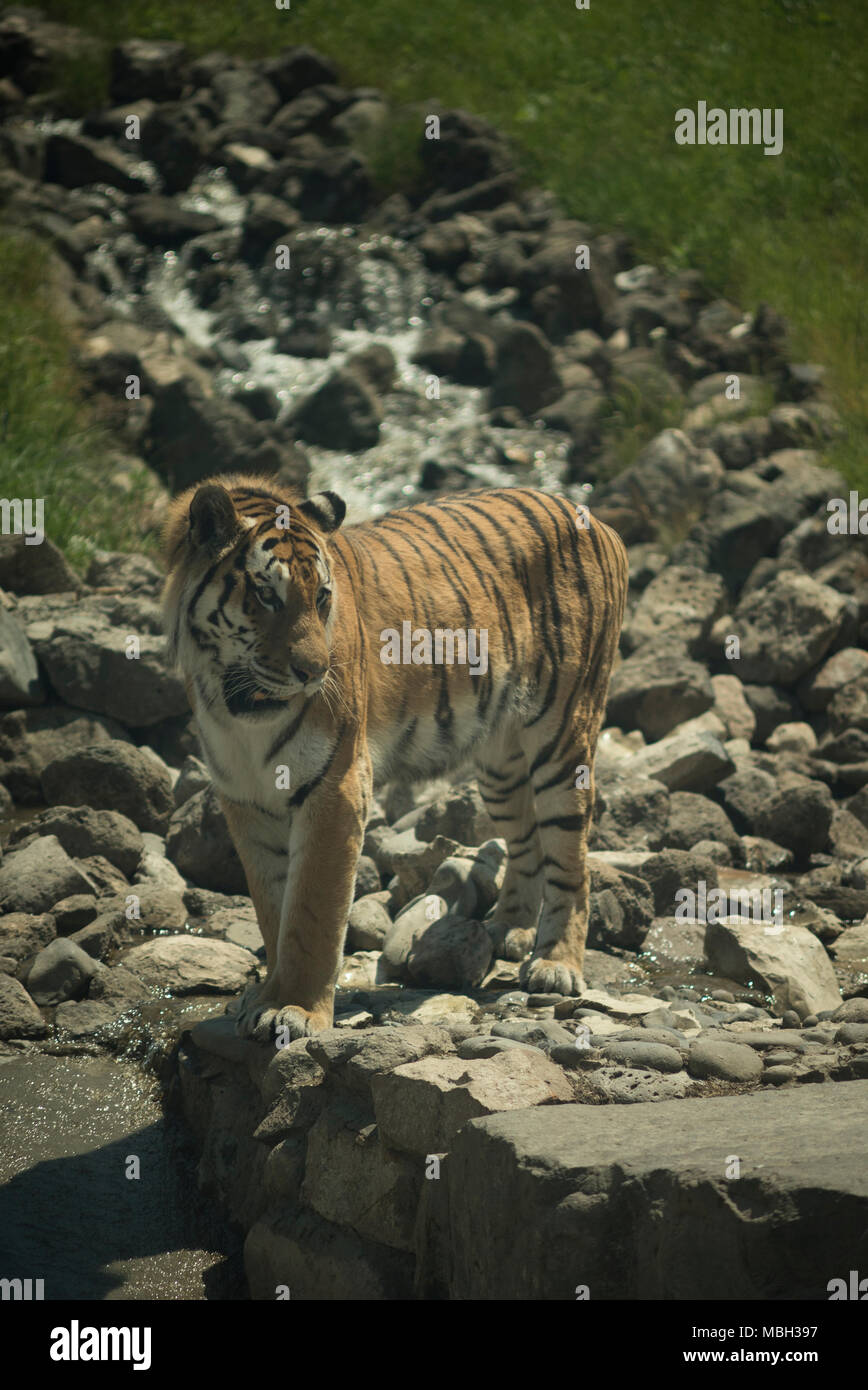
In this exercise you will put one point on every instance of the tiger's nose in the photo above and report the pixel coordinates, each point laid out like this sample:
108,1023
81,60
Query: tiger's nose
312,673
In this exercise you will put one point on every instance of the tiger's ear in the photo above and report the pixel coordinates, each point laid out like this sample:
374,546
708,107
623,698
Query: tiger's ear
325,509
213,522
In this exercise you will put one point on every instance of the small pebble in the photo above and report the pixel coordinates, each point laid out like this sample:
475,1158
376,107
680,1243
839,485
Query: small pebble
778,1076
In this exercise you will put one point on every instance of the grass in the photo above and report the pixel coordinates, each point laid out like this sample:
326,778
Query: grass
48,436
589,98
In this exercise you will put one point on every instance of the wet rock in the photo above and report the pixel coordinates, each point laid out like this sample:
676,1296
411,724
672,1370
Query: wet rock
61,970
83,831
342,414
19,1016
33,879
159,221
86,1019
118,989
788,963
722,1061
175,139
672,943
113,777
74,161
851,949
191,965
97,938
199,844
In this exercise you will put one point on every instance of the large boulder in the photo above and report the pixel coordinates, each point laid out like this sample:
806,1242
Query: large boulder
83,831
33,879
113,777
789,963
785,628
199,844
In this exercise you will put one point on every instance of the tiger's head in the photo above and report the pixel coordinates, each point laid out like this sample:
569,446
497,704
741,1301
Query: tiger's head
249,603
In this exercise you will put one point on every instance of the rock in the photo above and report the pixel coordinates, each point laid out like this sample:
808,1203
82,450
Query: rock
674,869
785,628
22,935
732,707
684,762
670,942
83,832
651,1055
792,738
791,965
631,808
191,965
672,476
797,817
294,70
194,777
243,95
20,683
693,818
118,989
86,660
33,879
555,1165
146,68
819,689
347,1182
113,777
459,814
159,221
175,140
19,1016
656,690
75,161
851,949
199,843
524,372
680,603
342,414
35,569
421,1106
61,970
86,1019
722,1061
544,1033
620,908
74,912
368,924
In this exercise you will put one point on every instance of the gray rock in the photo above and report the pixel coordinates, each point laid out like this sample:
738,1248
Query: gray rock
798,817
684,762
621,908
194,777
83,831
693,818
525,374
61,970
113,777
118,988
450,953
147,68
22,935
459,814
656,690
791,965
630,809
34,879
343,413
680,603
86,661
86,1019
651,1055
671,870
555,1165
367,878
159,221
74,912
543,1032
19,1016
191,965
786,628
723,1061
368,924
199,844
74,161
673,943
20,683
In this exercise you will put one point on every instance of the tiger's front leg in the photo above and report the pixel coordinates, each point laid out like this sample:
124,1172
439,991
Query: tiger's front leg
326,837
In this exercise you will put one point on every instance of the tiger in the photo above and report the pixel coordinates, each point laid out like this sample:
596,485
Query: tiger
283,624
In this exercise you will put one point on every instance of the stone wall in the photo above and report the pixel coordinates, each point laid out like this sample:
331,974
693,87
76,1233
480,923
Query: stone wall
378,1164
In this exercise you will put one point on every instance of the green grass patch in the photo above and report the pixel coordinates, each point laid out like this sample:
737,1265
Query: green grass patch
50,445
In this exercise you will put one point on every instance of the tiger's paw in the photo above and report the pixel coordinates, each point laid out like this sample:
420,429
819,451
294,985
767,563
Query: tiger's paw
282,1026
540,976
518,943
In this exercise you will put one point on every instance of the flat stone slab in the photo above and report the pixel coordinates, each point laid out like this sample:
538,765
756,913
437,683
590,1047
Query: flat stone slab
612,1198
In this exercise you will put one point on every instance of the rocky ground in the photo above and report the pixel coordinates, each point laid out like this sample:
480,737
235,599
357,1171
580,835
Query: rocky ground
740,764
